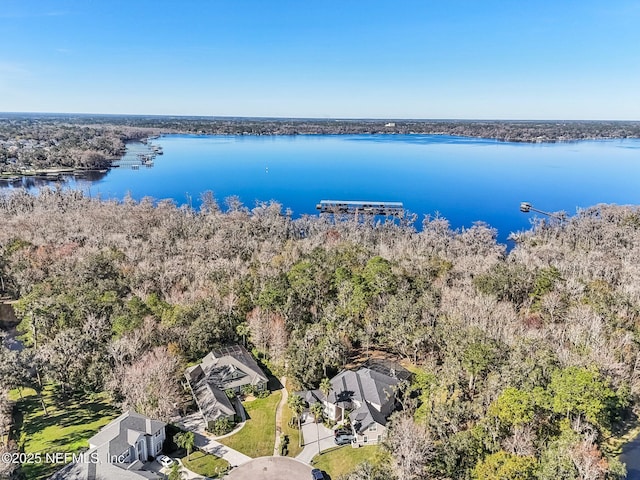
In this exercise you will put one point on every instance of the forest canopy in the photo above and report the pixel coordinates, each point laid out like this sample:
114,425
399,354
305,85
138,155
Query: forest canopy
525,362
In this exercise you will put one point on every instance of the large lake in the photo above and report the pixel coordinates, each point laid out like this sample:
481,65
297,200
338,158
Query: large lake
465,180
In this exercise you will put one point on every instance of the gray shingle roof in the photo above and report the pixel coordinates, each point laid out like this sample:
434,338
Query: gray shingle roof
364,416
226,368
238,358
102,471
377,387
114,439
310,396
121,433
213,401
363,384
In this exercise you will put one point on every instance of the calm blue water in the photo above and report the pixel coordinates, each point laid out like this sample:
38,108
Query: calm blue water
466,180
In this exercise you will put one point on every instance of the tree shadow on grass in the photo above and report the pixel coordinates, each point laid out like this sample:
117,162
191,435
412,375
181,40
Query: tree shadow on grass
39,471
34,429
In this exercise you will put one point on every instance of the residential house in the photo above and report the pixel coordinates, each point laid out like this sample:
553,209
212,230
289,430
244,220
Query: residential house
229,368
119,450
366,397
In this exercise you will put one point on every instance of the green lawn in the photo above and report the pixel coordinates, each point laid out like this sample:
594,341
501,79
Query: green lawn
205,464
67,427
342,460
257,437
292,433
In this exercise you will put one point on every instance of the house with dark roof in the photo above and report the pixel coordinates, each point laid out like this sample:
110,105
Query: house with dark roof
366,397
120,450
228,368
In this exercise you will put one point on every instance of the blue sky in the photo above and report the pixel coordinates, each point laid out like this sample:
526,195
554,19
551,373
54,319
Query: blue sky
542,59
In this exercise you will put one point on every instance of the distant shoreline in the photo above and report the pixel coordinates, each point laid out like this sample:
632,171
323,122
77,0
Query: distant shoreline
150,126
43,145
504,131
458,135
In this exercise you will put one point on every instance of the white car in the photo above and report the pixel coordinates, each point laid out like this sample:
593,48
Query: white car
165,461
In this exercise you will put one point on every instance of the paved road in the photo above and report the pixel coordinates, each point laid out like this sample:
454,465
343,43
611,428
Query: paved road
271,468
311,432
631,456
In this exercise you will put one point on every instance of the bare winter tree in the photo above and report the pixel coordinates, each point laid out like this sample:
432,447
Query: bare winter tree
589,461
150,385
259,323
278,339
411,447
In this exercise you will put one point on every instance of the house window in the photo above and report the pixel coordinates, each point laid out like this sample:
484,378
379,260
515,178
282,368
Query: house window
139,448
365,439
373,427
159,447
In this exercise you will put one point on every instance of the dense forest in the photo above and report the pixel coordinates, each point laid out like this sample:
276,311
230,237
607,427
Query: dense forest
526,362
43,141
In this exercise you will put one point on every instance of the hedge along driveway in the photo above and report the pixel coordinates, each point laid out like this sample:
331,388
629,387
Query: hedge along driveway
293,433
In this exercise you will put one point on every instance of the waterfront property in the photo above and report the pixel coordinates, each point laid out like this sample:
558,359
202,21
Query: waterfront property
464,179
231,369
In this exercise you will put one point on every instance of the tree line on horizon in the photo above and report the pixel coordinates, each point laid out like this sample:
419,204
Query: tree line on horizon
40,141
526,363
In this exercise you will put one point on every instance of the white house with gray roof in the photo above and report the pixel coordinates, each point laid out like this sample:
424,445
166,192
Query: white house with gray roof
228,368
365,396
120,450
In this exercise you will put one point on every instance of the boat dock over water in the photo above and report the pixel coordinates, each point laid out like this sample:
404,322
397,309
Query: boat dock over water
361,207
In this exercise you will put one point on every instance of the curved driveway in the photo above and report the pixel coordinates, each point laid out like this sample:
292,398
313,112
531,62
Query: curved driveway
271,468
317,438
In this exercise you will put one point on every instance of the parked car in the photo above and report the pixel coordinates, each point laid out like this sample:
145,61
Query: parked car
343,439
165,461
341,431
317,474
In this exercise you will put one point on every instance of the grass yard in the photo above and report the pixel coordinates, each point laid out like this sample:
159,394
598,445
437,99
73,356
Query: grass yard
67,427
257,437
292,433
342,460
205,464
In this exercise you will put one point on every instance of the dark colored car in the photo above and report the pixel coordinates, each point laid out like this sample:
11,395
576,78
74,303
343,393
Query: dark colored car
341,431
343,439
317,474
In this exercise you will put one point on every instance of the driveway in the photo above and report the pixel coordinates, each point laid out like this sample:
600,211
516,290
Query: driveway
186,474
232,456
317,438
194,423
271,468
